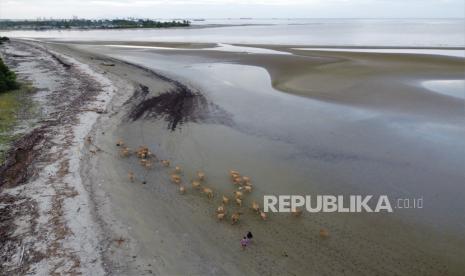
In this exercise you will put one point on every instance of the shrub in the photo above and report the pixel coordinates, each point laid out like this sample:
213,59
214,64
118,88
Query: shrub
7,78
3,39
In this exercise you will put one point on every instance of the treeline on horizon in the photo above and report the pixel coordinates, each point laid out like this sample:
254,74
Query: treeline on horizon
89,24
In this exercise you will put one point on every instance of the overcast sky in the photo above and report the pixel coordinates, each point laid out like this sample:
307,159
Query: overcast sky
232,8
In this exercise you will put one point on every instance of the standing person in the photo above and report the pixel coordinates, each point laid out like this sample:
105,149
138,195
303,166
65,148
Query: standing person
244,242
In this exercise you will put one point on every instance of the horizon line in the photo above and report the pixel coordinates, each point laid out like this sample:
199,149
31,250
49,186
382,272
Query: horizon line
227,18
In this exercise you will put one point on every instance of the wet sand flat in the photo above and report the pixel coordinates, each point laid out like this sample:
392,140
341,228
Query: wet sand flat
343,123
378,80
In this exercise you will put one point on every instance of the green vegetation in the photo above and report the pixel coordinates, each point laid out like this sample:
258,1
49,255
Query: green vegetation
14,100
3,39
89,24
13,106
7,78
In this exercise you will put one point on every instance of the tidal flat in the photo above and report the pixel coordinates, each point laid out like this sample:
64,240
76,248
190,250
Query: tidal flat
295,122
305,122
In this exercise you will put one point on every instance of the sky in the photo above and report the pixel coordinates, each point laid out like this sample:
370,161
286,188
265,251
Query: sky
32,9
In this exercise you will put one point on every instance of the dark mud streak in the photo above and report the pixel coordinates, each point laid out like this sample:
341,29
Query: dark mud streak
177,106
139,93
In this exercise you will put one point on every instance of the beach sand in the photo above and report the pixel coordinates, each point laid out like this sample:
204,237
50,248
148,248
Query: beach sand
152,229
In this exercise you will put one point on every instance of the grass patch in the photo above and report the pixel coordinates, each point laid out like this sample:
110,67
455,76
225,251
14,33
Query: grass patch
7,77
13,107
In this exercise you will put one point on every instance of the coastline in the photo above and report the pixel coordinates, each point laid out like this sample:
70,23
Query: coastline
137,230
47,223
165,201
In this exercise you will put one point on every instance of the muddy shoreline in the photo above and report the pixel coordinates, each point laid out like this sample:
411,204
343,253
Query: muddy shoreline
155,200
147,227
